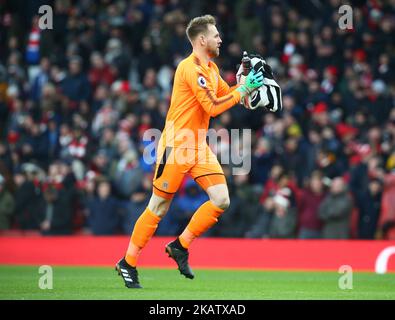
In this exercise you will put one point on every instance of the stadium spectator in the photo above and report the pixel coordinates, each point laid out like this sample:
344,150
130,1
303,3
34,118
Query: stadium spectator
283,222
369,205
311,197
137,202
41,79
148,58
335,211
149,85
59,201
262,161
100,72
260,228
104,211
75,88
366,185
117,55
5,157
6,205
28,198
127,174
387,217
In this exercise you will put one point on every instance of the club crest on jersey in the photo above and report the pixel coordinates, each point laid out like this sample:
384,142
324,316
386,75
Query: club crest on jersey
165,185
202,82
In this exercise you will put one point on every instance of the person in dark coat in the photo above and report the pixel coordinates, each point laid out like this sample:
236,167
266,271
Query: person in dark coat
35,145
7,204
262,161
367,188
5,156
368,202
335,211
59,200
75,87
104,211
28,200
138,202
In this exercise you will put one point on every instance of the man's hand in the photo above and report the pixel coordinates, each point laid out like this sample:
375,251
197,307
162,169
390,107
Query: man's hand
252,82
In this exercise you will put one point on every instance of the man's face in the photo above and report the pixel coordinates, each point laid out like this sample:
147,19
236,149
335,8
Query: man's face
374,187
74,67
104,190
337,185
316,184
213,41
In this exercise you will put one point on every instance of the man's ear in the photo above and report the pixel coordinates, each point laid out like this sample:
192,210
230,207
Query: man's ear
202,39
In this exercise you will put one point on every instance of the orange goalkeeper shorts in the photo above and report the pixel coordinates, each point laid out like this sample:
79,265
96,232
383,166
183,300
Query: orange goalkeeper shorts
174,163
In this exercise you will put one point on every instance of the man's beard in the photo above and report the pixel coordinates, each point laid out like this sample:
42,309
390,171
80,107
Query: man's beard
213,52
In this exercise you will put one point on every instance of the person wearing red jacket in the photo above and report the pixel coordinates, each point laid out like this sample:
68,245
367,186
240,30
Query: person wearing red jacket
311,197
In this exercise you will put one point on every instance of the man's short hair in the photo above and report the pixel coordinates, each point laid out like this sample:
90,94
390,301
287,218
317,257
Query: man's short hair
199,25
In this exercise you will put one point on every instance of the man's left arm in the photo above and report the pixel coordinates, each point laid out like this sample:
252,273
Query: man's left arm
224,88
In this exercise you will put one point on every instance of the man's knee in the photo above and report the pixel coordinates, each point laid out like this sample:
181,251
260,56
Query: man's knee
222,201
219,196
159,205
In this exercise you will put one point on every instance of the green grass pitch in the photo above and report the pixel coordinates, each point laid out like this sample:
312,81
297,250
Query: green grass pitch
21,282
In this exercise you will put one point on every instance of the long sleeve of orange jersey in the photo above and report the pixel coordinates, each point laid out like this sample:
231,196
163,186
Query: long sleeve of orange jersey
203,90
223,87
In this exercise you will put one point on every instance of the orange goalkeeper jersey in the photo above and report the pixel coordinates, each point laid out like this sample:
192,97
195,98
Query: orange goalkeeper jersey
199,93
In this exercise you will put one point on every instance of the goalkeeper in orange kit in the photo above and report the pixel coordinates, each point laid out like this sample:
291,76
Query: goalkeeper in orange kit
199,93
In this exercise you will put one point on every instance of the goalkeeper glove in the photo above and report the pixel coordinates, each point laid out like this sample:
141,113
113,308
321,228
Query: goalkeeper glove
253,81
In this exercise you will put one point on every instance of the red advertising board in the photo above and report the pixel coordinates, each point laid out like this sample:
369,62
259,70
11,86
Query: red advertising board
205,253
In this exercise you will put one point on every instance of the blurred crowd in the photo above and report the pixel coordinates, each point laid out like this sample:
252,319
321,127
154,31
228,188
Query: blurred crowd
75,101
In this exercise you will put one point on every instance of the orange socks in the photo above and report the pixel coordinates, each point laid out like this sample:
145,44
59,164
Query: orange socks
202,220
143,231
132,254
